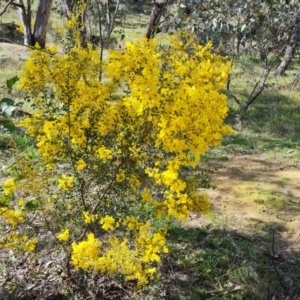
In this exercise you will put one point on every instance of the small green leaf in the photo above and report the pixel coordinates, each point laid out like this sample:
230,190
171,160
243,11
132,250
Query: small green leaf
31,205
122,36
7,101
10,82
243,27
180,11
8,124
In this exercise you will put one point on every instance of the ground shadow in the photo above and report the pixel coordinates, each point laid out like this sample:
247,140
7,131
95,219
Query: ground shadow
211,262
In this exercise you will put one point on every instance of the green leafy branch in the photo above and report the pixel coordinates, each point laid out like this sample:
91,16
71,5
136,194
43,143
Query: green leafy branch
7,107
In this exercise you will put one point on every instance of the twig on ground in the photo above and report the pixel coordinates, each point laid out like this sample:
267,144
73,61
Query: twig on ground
274,264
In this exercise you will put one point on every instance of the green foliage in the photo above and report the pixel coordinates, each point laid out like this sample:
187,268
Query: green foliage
10,82
267,23
7,107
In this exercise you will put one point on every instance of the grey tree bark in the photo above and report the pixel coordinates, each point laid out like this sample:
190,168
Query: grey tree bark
41,22
26,21
289,52
157,13
38,35
67,7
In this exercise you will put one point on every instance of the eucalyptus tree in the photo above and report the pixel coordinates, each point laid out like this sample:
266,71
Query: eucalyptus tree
36,33
233,25
268,29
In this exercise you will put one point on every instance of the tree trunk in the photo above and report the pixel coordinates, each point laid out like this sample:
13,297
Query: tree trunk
285,61
41,23
26,21
156,14
289,52
139,4
67,8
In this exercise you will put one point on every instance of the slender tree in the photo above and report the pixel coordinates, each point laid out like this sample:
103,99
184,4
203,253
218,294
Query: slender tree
37,33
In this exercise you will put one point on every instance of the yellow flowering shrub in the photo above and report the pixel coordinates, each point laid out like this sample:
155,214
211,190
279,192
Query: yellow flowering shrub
112,150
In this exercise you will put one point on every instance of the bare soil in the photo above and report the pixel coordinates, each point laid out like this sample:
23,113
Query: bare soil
12,50
256,193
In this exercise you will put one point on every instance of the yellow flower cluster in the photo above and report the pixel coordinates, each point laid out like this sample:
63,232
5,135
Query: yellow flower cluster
64,235
66,182
12,217
88,218
19,242
104,154
86,252
9,186
118,257
81,165
15,240
20,28
120,177
31,180
150,246
200,201
108,223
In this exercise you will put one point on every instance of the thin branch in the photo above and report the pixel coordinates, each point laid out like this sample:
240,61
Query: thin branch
11,41
101,40
262,86
17,5
230,92
113,179
109,185
6,7
276,85
274,263
112,22
254,89
19,157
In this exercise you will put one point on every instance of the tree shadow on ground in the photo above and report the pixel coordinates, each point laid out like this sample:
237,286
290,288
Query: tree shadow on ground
212,262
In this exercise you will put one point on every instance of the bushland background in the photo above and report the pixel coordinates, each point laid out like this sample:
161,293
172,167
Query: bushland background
248,246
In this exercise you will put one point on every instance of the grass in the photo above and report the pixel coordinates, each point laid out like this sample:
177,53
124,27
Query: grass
213,262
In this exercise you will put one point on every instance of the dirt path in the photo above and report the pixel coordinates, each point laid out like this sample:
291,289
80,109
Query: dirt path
256,193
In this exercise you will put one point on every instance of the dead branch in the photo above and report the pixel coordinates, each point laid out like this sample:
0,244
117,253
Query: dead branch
11,41
11,2
262,85
230,92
